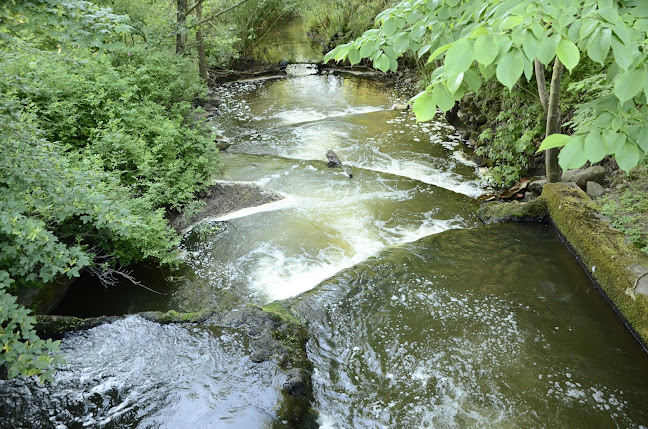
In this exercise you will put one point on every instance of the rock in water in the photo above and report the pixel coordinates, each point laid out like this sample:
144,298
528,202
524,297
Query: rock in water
333,159
334,162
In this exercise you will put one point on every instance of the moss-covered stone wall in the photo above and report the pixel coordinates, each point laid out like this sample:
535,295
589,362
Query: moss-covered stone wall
619,268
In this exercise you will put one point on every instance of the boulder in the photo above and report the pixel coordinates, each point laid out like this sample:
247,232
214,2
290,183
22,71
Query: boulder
594,190
536,186
581,176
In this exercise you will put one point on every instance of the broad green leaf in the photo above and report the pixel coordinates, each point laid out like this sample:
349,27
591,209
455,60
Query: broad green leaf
424,108
568,54
642,139
622,33
459,57
479,31
382,63
528,69
368,48
588,26
389,27
629,84
423,50
599,44
472,79
613,140
438,51
354,56
454,82
452,3
510,22
554,140
628,156
547,48
530,46
442,98
486,50
401,43
573,154
595,147
646,84
487,71
622,55
344,50
609,14
510,68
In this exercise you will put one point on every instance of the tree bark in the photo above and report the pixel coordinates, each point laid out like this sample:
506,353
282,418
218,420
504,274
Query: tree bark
542,85
181,30
553,123
200,45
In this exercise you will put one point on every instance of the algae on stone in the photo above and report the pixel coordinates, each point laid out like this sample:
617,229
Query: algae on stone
618,267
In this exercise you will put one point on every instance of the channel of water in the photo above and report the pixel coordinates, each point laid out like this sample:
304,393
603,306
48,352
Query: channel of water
419,316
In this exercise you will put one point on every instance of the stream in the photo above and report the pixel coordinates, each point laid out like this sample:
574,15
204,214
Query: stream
419,316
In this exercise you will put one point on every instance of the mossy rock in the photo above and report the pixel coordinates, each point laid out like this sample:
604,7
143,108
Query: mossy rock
495,212
50,326
620,270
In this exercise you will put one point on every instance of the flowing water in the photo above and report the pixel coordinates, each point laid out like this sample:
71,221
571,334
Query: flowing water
419,316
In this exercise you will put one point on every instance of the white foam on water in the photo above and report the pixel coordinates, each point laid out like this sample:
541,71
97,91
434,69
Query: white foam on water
425,173
287,202
279,276
305,115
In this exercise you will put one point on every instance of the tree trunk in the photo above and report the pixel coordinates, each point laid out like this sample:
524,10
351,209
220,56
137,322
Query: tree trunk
202,61
542,85
181,30
553,123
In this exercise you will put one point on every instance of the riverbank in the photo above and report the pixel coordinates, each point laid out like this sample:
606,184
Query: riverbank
619,269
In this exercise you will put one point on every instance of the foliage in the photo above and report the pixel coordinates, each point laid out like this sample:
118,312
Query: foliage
628,208
68,24
339,21
487,38
97,140
128,110
23,353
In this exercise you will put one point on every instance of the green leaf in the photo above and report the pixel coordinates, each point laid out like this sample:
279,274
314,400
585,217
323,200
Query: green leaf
613,140
344,50
510,68
472,79
511,22
642,139
442,98
573,154
354,56
459,57
389,27
588,26
599,44
486,50
628,156
382,63
547,48
595,147
401,43
622,54
438,51
568,54
424,108
629,84
368,48
454,82
530,46
554,140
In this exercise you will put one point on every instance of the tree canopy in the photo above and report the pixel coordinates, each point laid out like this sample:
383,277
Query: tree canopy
467,41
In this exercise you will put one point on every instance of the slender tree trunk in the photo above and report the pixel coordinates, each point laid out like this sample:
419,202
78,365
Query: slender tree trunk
181,31
553,123
202,61
542,85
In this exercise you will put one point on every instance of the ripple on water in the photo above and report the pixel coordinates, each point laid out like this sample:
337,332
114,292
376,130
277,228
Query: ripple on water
138,373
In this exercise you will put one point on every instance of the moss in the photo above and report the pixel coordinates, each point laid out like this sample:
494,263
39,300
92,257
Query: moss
494,212
48,326
614,264
283,311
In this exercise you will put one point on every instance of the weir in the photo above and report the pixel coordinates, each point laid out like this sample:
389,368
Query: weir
418,315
